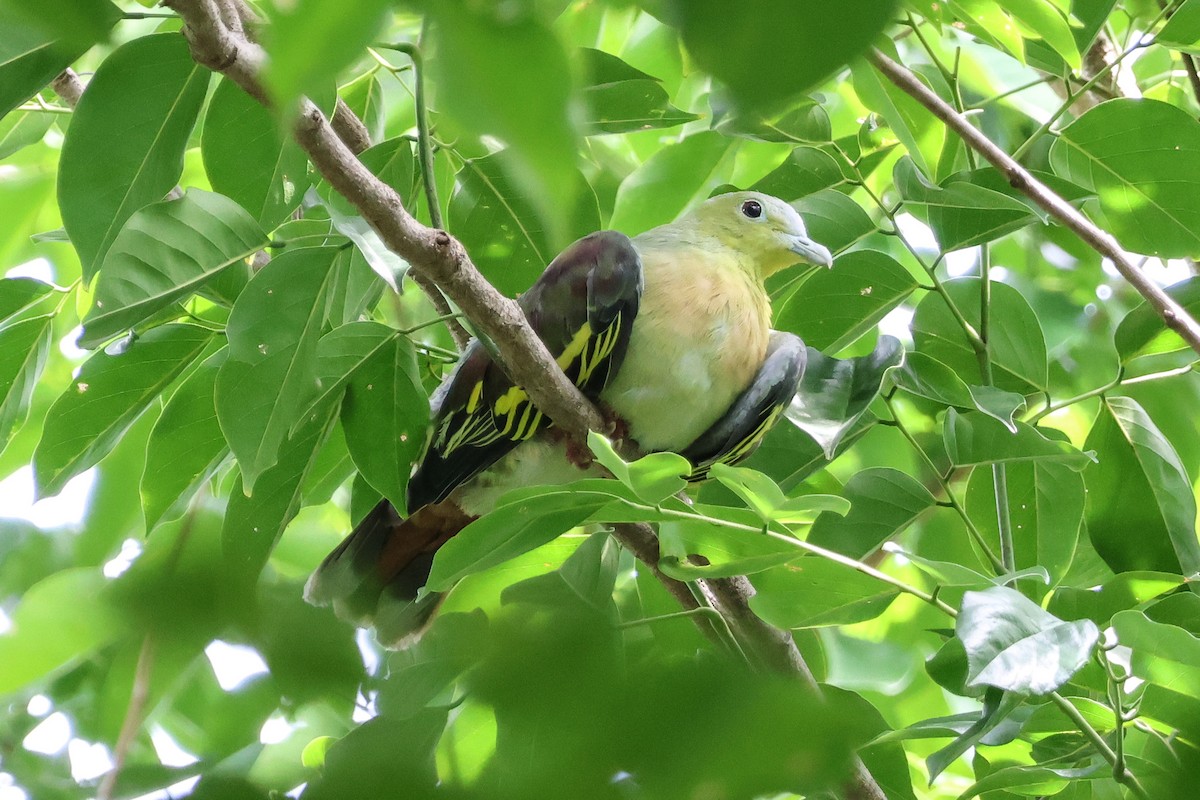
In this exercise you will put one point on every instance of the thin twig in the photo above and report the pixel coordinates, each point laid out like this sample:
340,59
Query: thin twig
1173,314
134,714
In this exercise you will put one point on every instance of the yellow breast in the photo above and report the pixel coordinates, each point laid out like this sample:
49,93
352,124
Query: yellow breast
699,338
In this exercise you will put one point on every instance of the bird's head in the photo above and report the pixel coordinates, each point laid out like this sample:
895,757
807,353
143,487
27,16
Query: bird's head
766,232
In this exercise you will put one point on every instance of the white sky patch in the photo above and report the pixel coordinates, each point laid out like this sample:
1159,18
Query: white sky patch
88,761
898,323
65,508
9,790
364,707
366,648
130,550
1104,291
181,789
1165,273
39,706
275,730
39,269
68,348
50,736
999,273
917,233
1057,257
5,622
962,262
169,751
234,664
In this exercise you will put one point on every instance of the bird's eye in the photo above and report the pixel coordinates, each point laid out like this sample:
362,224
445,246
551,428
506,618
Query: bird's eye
752,209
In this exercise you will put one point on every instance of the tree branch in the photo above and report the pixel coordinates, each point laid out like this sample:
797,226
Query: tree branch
435,255
1174,315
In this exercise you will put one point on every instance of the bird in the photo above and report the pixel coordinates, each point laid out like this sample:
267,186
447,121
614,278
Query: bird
668,331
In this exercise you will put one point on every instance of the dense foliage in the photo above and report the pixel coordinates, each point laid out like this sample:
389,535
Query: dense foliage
978,520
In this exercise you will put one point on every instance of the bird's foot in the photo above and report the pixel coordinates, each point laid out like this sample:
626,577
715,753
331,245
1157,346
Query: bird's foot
618,428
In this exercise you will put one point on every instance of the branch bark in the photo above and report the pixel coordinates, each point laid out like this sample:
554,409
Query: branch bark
1104,243
437,256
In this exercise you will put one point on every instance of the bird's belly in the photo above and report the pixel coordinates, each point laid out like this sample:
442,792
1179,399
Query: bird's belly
674,384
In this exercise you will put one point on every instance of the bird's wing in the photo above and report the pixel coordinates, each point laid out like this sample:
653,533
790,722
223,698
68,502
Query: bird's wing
583,308
737,434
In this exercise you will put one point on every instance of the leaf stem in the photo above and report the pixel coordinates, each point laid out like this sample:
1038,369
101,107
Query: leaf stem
1124,777
1073,95
972,529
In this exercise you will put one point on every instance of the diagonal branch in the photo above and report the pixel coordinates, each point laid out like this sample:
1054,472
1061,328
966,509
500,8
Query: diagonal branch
438,257
1173,314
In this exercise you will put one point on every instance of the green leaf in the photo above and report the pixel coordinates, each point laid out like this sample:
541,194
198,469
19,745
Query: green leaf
925,376
1165,655
164,253
186,445
1143,331
509,530
805,120
1037,780
833,219
834,308
254,525
653,477
1146,185
60,619
974,438
1045,501
814,592
620,99
806,171
309,42
394,163
249,158
764,497
1125,591
501,72
883,502
270,375
384,415
340,354
1050,23
960,211
586,578
24,346
19,294
670,180
1016,343
764,62
1139,484
417,675
1013,644
22,128
498,225
694,549
1182,31
106,398
834,393
151,90
80,23
997,708
914,125
31,55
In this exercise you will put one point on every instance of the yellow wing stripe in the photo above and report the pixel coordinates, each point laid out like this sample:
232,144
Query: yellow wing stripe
513,416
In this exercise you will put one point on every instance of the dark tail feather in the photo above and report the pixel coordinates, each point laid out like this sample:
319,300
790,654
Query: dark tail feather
374,575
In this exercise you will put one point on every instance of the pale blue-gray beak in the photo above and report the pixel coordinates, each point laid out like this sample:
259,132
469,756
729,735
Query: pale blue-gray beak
811,252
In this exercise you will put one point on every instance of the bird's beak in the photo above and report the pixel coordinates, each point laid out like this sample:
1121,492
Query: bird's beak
811,252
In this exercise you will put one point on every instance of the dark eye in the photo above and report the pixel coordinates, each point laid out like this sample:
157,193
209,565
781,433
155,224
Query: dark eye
752,209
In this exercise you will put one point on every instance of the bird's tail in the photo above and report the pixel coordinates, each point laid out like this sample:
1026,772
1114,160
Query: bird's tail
374,575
